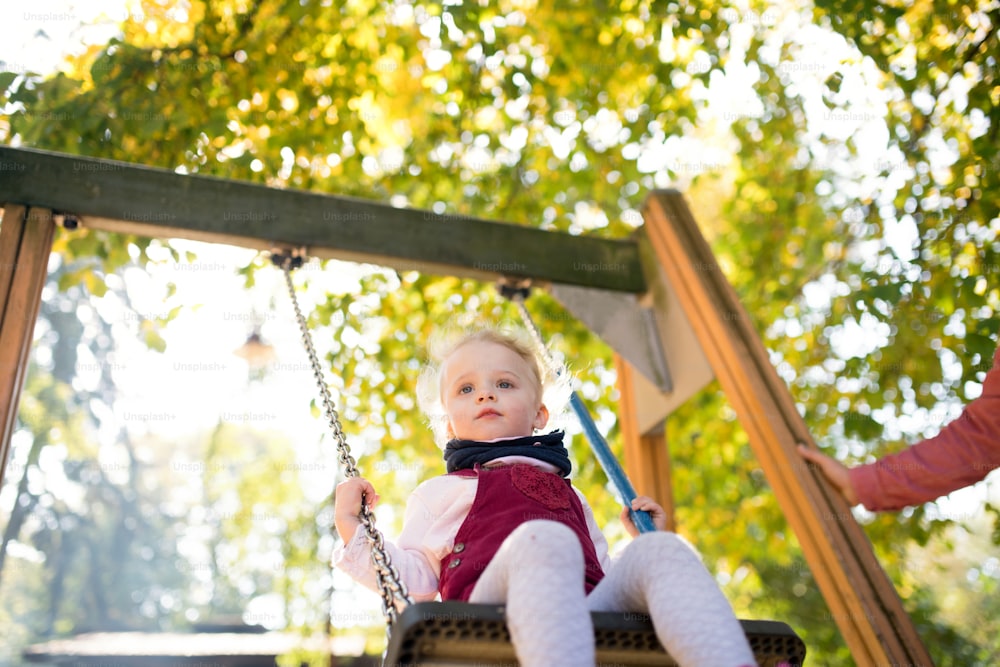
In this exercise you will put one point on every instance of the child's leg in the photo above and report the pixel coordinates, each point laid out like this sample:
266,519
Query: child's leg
659,573
538,573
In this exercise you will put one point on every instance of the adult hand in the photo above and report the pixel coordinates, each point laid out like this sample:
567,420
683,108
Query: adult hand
834,471
656,513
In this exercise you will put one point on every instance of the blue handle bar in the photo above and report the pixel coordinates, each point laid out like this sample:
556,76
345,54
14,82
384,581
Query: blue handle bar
613,469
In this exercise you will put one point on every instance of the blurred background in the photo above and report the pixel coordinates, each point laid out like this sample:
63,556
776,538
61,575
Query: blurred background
170,472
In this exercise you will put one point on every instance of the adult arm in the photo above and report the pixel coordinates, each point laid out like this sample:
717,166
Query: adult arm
963,453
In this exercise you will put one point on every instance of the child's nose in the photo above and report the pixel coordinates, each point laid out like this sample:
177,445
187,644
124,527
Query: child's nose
485,395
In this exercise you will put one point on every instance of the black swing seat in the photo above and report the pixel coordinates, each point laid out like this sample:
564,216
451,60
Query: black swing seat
446,634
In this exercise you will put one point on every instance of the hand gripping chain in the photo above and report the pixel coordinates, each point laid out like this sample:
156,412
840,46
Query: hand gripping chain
391,588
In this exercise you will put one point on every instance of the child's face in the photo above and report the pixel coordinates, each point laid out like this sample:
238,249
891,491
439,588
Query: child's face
490,392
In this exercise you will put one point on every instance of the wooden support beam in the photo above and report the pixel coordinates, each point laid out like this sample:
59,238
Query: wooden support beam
25,243
133,199
862,600
647,459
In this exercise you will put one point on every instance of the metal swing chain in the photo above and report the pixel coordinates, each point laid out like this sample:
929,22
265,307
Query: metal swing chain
517,291
391,588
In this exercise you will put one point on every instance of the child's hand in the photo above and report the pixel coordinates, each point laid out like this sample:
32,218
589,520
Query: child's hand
656,513
347,504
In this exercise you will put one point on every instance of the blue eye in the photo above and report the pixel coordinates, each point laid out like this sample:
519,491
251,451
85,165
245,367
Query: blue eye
504,384
465,389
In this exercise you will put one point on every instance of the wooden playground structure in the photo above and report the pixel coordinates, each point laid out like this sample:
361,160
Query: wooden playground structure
658,299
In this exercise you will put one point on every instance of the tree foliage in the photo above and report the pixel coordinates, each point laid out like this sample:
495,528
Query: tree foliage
841,159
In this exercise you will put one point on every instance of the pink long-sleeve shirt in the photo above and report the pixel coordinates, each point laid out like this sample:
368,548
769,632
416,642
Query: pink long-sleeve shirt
435,511
964,452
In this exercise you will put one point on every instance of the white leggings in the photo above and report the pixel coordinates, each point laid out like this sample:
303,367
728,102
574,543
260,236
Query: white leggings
538,574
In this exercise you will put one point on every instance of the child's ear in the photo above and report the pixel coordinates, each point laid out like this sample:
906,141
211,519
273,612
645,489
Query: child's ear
450,428
541,417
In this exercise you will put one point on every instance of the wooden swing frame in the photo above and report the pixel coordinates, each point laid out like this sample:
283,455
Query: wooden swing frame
666,273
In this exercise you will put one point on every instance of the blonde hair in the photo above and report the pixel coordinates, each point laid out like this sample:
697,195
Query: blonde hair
551,384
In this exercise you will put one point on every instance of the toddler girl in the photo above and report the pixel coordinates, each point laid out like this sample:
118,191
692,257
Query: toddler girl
505,526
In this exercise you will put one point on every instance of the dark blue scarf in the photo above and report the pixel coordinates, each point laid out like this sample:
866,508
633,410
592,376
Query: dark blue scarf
465,454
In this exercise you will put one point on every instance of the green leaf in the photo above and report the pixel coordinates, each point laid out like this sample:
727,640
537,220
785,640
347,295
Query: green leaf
6,78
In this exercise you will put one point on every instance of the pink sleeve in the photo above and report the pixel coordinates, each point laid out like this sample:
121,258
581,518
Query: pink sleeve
417,564
414,570
964,452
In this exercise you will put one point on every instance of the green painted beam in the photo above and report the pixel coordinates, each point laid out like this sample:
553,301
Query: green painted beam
134,199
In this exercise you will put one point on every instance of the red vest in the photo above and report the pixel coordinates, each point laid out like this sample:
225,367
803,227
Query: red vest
506,497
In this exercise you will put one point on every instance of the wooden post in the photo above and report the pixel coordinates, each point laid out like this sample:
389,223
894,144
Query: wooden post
647,459
862,601
25,243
